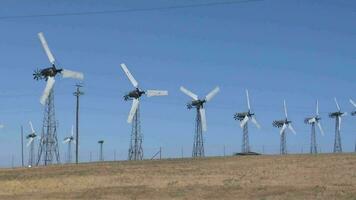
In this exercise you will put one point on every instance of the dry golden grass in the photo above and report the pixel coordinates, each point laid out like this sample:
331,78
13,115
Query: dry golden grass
251,177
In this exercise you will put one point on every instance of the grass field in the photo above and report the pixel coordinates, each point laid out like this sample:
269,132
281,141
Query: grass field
251,177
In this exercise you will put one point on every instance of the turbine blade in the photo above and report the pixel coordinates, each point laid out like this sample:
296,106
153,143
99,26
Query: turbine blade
29,142
133,110
321,129
353,103
72,131
244,121
337,104
292,129
212,94
285,108
129,75
203,119
283,129
72,74
152,93
317,108
46,48
47,90
248,100
339,123
253,119
189,93
32,129
66,140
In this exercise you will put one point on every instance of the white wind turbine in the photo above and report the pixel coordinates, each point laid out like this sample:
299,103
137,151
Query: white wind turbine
283,125
313,121
244,117
200,125
135,150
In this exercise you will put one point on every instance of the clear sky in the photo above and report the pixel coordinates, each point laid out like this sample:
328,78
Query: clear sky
298,50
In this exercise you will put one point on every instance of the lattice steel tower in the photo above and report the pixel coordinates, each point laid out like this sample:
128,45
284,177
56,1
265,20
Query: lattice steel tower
200,119
283,125
135,149
244,117
337,115
314,121
48,151
198,145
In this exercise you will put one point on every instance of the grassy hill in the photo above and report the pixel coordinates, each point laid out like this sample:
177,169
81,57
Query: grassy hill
324,176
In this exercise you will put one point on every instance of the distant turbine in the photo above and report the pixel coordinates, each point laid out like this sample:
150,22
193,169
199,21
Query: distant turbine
337,115
314,121
31,143
200,120
244,117
68,140
284,124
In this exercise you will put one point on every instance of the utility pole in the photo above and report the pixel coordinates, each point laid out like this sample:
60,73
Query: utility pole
182,154
22,164
77,94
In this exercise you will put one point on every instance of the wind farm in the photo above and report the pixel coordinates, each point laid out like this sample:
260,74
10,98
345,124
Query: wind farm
200,99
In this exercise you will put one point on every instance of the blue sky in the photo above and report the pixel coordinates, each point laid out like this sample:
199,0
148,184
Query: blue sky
297,50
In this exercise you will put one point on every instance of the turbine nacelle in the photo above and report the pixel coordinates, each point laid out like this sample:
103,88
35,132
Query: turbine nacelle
134,94
241,116
312,120
196,104
32,135
280,123
336,114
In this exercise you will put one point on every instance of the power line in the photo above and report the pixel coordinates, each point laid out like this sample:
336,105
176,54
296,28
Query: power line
105,12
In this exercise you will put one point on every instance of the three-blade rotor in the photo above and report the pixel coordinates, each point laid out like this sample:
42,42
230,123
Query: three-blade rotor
137,93
32,135
247,116
71,138
286,123
199,104
51,72
316,119
339,114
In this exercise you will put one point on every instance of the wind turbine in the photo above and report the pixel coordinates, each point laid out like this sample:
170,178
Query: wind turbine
135,150
314,121
244,117
49,143
68,140
337,115
284,124
31,138
200,120
353,114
